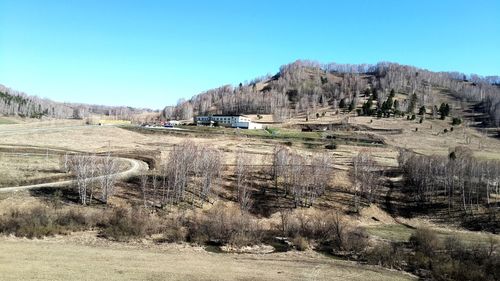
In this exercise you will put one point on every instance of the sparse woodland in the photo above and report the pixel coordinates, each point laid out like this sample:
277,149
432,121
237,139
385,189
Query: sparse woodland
457,179
93,174
303,87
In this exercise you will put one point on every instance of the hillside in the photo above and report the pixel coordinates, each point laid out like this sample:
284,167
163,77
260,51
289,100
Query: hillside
16,103
302,87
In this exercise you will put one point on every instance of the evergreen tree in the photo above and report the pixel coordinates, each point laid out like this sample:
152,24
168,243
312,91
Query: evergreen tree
444,110
421,111
367,107
342,103
413,103
352,106
375,93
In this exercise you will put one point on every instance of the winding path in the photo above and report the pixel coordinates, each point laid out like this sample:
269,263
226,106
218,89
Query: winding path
137,167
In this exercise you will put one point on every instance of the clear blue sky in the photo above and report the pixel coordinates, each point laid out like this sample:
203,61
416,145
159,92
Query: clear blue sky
151,53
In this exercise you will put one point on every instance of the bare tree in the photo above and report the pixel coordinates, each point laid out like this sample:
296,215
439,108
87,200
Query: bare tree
144,181
209,164
364,177
241,173
181,163
84,169
107,176
458,177
280,160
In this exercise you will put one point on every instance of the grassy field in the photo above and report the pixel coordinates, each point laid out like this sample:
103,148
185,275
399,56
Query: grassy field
4,121
52,259
29,168
63,258
401,233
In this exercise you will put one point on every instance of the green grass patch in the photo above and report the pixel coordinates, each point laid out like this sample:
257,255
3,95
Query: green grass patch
392,232
5,121
401,233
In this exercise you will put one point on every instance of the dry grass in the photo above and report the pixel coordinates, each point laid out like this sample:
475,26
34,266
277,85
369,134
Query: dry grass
28,259
19,169
430,137
53,259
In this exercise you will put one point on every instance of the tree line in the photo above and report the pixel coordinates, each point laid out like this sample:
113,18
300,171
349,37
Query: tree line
16,103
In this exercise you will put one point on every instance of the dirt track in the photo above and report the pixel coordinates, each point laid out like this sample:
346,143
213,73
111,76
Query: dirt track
137,166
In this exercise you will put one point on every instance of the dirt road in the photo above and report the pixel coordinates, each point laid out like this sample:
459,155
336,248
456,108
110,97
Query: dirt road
136,167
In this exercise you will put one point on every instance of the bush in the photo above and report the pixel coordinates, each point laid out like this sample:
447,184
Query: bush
224,225
456,121
175,228
34,223
388,255
357,240
425,240
300,243
330,231
331,146
123,224
40,221
74,220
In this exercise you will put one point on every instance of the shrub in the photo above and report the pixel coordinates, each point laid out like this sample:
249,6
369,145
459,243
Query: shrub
300,243
123,224
425,240
73,219
388,255
34,223
175,228
40,221
175,234
329,230
420,261
224,225
357,240
331,146
456,121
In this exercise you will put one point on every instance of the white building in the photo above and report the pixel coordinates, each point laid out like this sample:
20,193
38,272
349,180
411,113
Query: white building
234,121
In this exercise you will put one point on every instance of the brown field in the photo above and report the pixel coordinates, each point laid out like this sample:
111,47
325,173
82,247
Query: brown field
60,259
28,168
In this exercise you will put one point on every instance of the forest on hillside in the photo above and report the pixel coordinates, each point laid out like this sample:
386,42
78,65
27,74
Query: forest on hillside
304,86
16,103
